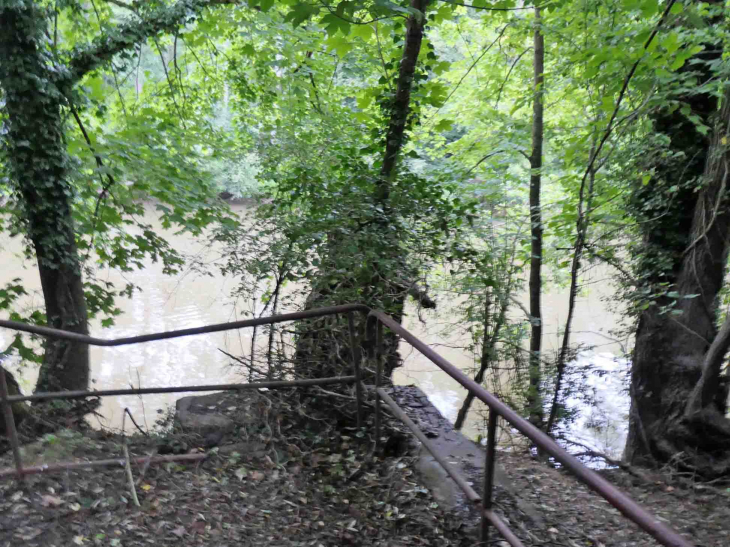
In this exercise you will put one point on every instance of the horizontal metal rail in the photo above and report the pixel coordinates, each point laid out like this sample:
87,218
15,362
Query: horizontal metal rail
218,327
6,400
632,510
471,495
277,384
52,468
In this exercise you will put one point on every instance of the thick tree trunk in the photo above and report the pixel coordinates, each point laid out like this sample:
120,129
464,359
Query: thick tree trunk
386,283
38,162
675,414
34,88
534,399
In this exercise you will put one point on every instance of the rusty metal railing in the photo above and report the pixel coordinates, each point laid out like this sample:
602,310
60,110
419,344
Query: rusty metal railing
633,511
375,322
6,400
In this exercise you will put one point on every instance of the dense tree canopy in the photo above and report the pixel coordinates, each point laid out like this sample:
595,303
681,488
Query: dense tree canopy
399,149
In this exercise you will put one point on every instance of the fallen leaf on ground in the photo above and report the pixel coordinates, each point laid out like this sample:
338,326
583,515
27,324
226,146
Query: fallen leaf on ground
50,501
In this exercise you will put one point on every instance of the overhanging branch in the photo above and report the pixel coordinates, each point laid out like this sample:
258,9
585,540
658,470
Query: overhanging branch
133,32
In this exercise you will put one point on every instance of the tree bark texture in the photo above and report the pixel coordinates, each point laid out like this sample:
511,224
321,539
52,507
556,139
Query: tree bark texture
387,282
38,162
35,88
534,399
678,400
400,109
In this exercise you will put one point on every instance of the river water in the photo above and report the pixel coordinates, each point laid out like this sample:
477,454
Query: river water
189,300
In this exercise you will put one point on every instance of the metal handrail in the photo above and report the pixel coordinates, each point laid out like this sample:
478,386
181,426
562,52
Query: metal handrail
6,401
664,534
218,327
374,322
274,384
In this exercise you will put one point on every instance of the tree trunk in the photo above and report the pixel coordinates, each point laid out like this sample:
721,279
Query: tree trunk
34,89
676,411
534,399
386,283
489,348
37,159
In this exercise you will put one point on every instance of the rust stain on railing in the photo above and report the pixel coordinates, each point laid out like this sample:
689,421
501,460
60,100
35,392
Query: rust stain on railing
373,333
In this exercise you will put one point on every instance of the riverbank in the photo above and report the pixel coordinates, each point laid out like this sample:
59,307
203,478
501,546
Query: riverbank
189,299
291,471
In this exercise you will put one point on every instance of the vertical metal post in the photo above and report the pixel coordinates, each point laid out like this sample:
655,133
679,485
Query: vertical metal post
355,345
10,424
489,472
378,379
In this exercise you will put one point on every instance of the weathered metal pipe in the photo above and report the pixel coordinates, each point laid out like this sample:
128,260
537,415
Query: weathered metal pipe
52,468
489,472
75,337
502,528
632,510
10,430
274,384
355,351
615,497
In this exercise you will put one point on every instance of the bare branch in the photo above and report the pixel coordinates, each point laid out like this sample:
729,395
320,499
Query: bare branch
132,32
477,164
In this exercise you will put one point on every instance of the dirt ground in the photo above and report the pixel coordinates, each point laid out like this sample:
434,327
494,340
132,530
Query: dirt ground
298,476
572,515
295,478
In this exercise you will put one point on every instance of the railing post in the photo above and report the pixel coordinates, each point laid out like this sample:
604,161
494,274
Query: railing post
489,473
354,344
378,379
10,424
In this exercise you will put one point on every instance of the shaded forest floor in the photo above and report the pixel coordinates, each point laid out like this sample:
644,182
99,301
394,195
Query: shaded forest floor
569,514
298,475
295,476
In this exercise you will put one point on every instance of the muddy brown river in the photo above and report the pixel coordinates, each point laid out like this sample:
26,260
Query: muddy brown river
189,300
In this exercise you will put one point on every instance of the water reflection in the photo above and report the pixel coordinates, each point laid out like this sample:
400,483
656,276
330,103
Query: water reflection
187,300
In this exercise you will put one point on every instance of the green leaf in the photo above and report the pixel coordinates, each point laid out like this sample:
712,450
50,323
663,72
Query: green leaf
340,44
266,5
671,42
333,23
364,32
364,100
299,13
649,8
607,104
444,125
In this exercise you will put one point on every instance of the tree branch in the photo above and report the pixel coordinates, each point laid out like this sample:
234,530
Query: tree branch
477,164
421,296
704,392
130,33
506,78
489,8
121,4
